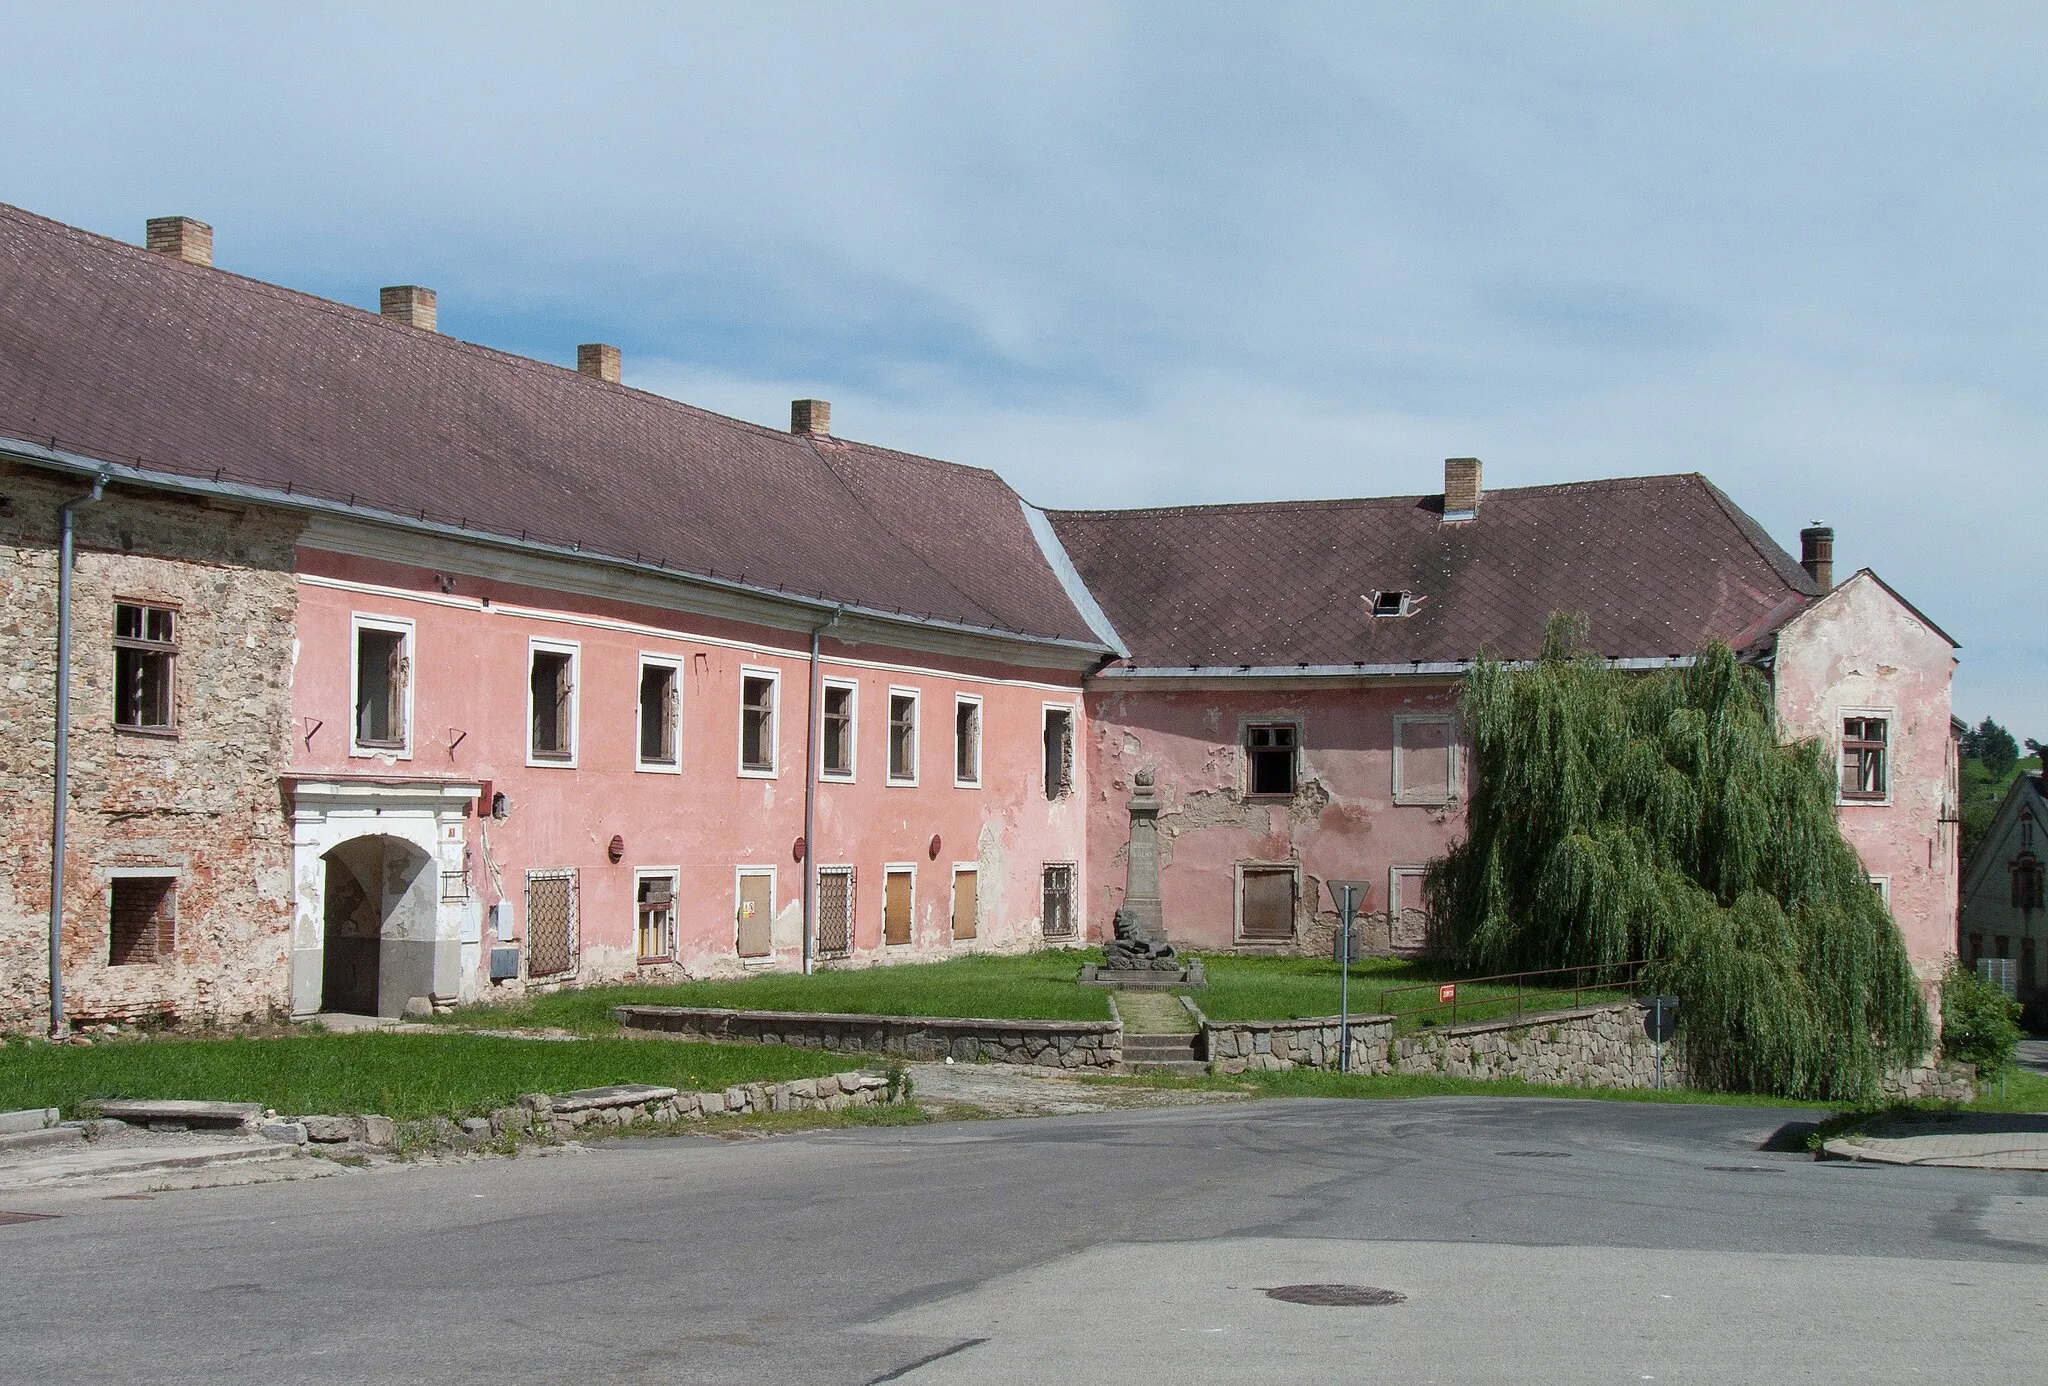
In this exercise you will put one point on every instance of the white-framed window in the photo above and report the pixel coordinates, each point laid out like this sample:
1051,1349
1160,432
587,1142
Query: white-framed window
754,911
142,916
1272,764
654,913
380,682
554,935
903,735
1059,750
966,901
1425,758
760,697
659,741
899,904
838,717
551,701
1865,756
1407,918
966,741
1883,886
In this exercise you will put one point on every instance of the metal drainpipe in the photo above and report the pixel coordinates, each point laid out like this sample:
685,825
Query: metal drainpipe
811,740
63,753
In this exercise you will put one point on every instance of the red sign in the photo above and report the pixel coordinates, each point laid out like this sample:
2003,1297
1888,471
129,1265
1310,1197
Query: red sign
1447,993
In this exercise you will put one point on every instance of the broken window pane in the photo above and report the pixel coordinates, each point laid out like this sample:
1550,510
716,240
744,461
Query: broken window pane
656,909
1270,753
967,742
902,736
145,657
551,691
1059,753
657,714
838,731
381,667
757,722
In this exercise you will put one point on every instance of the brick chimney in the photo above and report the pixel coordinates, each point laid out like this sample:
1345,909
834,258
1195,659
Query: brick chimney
811,418
409,304
189,240
1817,555
1461,488
597,359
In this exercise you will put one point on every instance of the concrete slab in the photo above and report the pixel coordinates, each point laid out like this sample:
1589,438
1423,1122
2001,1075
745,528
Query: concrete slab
160,1111
1953,1140
102,1162
28,1119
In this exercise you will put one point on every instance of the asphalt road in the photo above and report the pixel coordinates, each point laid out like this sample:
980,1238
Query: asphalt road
1534,1240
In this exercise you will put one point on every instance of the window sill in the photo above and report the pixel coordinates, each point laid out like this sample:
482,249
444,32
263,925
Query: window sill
1270,798
754,772
1864,800
967,784
893,783
835,777
1445,802
658,767
149,733
551,762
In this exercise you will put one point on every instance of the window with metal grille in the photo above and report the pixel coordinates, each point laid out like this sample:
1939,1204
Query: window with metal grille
145,660
660,688
142,920
757,723
903,737
1056,899
655,916
383,669
2026,883
1863,757
550,923
1059,753
1269,755
837,732
967,741
835,911
553,692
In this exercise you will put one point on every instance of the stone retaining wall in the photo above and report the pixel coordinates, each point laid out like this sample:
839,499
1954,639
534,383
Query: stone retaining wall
1243,1045
1093,1044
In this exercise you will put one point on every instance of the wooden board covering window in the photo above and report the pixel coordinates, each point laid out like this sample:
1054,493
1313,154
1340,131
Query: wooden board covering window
1268,912
756,939
896,907
966,903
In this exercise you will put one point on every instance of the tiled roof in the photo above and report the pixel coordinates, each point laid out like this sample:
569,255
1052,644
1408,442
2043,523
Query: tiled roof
129,356
1659,565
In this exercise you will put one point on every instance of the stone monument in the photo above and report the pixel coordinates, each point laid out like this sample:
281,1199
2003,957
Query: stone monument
1140,944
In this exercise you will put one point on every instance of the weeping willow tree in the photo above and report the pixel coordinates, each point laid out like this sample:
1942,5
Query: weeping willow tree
1622,816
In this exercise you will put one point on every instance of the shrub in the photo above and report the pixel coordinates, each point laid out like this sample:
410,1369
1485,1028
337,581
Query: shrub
1979,1023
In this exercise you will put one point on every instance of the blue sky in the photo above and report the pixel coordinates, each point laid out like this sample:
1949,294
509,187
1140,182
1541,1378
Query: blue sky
1160,254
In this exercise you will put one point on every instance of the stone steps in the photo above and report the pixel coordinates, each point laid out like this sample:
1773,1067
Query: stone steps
1177,1068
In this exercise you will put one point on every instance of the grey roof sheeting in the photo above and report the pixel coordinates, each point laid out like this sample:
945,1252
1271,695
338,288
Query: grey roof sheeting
1660,565
124,355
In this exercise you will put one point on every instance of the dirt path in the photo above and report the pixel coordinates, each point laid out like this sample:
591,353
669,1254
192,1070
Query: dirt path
1154,1013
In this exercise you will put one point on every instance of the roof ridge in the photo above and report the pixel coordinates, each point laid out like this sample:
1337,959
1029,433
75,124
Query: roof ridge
1337,502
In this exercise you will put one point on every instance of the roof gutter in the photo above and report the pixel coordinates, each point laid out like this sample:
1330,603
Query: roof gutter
36,454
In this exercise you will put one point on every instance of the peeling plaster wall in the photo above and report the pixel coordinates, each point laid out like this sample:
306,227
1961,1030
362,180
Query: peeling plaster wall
203,804
1860,650
1341,823
469,688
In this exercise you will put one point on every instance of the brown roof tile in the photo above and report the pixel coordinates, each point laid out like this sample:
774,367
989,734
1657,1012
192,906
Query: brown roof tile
1658,564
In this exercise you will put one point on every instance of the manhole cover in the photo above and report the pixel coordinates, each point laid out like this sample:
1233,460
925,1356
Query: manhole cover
1535,1154
1348,1295
25,1217
1745,1169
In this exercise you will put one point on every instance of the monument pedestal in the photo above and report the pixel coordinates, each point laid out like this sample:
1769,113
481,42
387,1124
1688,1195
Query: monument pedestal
1144,979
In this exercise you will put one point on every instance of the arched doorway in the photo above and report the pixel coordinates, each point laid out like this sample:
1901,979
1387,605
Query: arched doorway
378,926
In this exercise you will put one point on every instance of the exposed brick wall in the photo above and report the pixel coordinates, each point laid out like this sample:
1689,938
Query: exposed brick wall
205,803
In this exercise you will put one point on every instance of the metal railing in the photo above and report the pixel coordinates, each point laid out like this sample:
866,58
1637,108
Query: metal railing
1492,996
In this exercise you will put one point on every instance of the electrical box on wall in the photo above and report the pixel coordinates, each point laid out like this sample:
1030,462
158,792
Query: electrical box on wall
504,964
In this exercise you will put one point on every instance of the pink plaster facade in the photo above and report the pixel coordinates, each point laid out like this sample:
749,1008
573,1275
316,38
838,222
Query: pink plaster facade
706,821
1344,820
1862,652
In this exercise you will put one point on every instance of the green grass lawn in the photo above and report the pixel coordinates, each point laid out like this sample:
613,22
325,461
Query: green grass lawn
400,1076
1035,986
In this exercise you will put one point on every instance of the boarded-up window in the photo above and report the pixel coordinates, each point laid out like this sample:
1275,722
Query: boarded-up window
1863,757
142,927
755,915
1056,900
835,911
1425,760
1059,753
757,722
903,736
655,918
1269,756
1266,909
837,732
967,742
382,670
659,699
896,900
966,903
552,688
550,923
145,657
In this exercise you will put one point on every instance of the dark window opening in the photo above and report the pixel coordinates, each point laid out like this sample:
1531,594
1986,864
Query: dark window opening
967,742
381,670
145,657
552,688
1059,753
1863,757
757,723
657,714
1270,751
1056,900
838,731
141,924
902,736
2026,883
1389,603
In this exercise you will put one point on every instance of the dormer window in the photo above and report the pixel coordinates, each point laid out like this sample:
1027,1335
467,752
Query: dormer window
1392,603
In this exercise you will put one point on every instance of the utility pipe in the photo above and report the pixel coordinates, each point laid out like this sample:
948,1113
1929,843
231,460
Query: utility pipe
811,752
62,775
